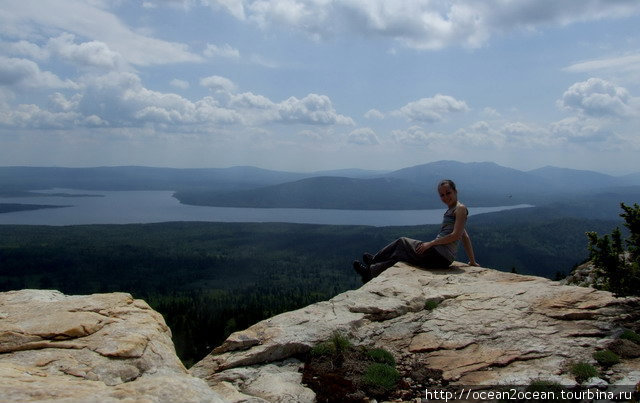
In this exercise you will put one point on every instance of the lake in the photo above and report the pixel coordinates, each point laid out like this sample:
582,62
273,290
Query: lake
129,207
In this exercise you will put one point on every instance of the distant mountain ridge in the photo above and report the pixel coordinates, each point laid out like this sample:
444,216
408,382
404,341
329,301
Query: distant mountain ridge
479,184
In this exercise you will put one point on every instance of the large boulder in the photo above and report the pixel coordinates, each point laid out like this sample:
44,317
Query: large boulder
94,348
488,328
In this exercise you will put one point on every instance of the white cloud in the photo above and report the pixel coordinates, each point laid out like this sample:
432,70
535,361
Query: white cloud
234,7
182,84
217,83
224,51
26,73
32,116
24,48
626,63
61,103
507,135
431,110
263,61
118,99
579,130
423,24
249,100
417,136
312,109
363,136
599,98
90,19
374,114
482,134
491,113
93,53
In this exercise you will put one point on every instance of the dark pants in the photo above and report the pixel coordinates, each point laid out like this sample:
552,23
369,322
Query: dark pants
404,250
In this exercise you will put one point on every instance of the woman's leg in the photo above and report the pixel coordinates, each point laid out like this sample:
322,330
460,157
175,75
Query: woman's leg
399,249
402,249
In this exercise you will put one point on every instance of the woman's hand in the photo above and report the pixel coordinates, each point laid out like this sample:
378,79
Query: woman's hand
422,248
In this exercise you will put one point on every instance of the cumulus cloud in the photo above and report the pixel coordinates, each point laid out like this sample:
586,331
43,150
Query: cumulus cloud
364,136
32,116
507,134
580,130
119,99
417,136
218,83
422,24
374,114
182,84
91,19
91,54
26,73
482,134
24,48
599,98
312,109
491,113
234,7
431,110
60,102
224,51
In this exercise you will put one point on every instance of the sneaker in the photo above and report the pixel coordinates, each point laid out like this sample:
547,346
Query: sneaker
367,258
363,271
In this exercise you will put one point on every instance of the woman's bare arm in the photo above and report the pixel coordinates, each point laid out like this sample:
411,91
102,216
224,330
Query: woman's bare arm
468,248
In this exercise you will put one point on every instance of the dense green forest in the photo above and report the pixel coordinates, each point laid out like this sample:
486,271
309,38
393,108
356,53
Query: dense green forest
209,279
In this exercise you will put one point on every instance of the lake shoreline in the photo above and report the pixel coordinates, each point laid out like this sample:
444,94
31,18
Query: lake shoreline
152,206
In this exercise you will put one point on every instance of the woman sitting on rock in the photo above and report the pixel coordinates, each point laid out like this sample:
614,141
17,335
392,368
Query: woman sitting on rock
436,254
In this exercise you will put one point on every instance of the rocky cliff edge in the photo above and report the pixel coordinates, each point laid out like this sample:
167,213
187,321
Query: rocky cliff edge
461,326
94,348
487,328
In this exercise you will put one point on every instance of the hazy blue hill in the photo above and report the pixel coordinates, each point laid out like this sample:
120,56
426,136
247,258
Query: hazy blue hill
351,173
631,179
479,182
140,178
574,179
472,175
324,192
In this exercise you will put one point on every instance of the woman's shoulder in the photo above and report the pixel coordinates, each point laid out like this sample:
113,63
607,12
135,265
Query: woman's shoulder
460,207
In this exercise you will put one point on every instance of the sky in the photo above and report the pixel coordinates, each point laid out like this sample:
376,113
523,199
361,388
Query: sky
307,85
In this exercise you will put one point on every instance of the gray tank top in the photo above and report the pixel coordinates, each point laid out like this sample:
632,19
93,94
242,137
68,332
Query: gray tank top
449,250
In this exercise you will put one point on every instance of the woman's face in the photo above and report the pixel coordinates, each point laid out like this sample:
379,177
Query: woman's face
448,195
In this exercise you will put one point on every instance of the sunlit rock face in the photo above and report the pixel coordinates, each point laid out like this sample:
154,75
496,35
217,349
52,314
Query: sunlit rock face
94,348
488,328
445,328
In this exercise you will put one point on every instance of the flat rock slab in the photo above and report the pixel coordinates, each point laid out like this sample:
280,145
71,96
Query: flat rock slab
94,348
488,328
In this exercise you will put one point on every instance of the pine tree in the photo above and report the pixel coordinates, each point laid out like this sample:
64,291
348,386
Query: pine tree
620,268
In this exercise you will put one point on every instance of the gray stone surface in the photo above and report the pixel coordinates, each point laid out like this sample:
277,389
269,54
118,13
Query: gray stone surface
95,348
489,328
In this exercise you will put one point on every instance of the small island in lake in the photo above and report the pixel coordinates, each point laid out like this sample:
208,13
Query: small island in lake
12,207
